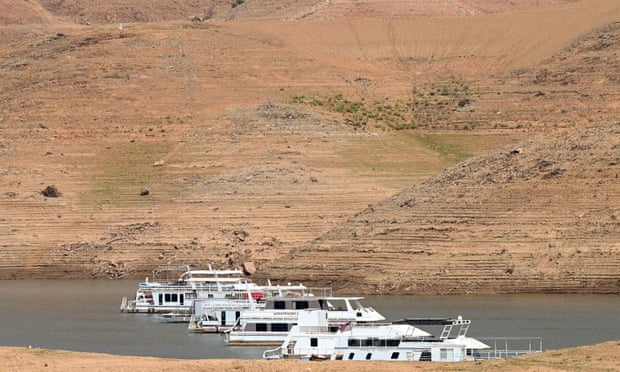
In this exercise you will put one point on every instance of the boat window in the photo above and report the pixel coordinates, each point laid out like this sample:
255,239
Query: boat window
368,356
446,354
301,305
314,342
393,342
395,355
181,297
161,298
261,327
337,305
279,327
167,297
355,304
378,342
367,342
279,305
323,304
237,314
354,342
351,355
174,297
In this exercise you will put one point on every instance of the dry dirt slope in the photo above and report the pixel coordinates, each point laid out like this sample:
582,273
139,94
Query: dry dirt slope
114,11
600,357
540,216
94,109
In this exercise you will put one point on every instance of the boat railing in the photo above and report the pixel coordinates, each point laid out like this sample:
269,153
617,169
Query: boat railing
315,329
507,347
263,316
308,353
320,291
240,306
127,306
371,325
273,353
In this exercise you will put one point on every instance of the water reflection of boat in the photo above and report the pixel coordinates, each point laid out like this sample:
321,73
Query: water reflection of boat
314,338
271,324
175,317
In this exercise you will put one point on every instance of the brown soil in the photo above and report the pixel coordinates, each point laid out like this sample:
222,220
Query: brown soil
227,122
601,357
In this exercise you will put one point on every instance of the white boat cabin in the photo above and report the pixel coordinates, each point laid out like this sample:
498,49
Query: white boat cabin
314,338
270,326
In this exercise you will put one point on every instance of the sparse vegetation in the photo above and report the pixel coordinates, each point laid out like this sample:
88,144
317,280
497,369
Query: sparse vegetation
428,106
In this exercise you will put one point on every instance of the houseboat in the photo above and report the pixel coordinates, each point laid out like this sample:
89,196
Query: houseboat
314,338
212,315
270,325
176,298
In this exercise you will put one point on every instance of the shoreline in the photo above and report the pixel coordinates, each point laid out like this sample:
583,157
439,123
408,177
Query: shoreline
598,357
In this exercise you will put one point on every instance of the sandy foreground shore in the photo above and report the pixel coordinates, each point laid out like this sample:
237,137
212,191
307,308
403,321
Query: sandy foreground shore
599,357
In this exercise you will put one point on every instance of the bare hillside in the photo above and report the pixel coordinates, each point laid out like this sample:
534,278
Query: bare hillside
24,21
540,217
114,11
242,138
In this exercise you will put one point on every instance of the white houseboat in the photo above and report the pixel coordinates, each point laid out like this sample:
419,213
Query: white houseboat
271,324
314,338
212,315
176,297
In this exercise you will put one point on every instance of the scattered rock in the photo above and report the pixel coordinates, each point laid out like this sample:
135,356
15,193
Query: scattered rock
144,191
354,124
51,192
541,77
465,105
158,163
249,268
240,235
516,151
363,81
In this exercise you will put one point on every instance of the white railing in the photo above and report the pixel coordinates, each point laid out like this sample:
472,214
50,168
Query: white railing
273,353
128,306
507,347
299,353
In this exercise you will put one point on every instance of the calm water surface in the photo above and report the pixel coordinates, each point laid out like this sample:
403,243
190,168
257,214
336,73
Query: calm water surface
83,315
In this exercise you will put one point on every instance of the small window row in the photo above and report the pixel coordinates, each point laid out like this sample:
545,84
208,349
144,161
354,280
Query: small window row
374,342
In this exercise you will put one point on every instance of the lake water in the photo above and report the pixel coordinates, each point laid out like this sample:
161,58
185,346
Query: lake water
84,315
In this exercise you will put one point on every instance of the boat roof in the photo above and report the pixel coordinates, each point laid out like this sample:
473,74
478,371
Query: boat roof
431,321
396,330
315,297
215,272
214,280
